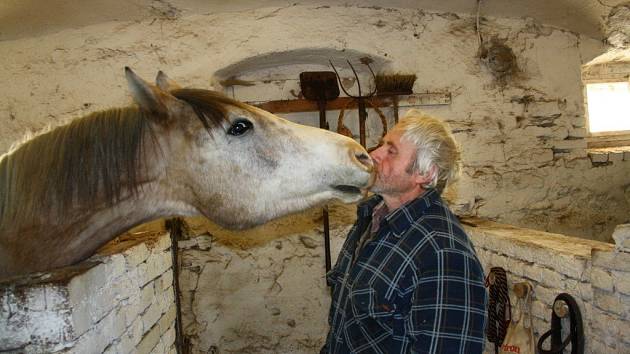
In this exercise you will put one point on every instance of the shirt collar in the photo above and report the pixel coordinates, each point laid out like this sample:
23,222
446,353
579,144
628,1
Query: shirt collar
400,219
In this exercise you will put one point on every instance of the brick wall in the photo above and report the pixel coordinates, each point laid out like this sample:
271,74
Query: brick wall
120,301
273,297
596,274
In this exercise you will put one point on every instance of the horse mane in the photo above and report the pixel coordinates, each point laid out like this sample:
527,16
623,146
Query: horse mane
89,161
95,154
210,106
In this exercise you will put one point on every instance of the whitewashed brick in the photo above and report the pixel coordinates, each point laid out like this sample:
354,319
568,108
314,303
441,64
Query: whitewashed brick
544,294
518,267
56,298
601,279
612,260
621,235
136,255
123,288
81,318
116,266
586,291
615,156
540,325
595,346
608,302
167,299
112,348
551,278
570,144
35,298
151,315
607,329
167,280
136,331
621,281
168,319
159,348
143,274
164,244
498,260
158,264
102,302
598,157
101,336
578,133
149,341
126,343
540,309
169,337
147,296
533,272
133,307
81,286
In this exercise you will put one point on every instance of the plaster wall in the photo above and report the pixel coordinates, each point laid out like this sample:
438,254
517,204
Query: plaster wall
522,134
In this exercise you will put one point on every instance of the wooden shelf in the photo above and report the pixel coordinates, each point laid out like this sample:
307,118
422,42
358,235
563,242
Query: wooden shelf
303,105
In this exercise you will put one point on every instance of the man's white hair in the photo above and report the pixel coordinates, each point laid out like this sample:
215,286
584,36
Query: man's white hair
437,153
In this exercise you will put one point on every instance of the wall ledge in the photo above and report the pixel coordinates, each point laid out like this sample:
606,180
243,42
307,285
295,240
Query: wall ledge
529,238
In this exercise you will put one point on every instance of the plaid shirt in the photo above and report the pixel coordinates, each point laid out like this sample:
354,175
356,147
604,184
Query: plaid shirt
416,286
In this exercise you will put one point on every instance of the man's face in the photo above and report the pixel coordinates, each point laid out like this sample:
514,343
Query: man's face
393,160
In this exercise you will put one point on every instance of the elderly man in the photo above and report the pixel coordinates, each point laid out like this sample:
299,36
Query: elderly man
408,279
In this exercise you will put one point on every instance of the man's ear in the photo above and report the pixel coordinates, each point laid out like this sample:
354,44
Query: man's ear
423,179
151,98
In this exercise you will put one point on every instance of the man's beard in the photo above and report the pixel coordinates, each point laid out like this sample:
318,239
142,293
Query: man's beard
385,186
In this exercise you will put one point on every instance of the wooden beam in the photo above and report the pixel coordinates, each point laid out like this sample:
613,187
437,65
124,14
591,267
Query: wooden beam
303,105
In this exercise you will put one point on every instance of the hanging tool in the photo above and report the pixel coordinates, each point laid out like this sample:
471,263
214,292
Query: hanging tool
321,86
499,307
360,98
393,85
564,306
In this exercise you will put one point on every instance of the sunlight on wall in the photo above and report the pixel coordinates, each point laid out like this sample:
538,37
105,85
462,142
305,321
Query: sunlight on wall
608,106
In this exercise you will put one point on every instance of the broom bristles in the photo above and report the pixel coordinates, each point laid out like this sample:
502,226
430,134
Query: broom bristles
395,83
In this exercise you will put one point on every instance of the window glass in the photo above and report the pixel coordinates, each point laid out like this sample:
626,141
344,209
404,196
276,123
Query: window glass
608,107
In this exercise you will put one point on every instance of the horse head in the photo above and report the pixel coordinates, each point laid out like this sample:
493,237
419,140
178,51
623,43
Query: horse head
241,166
180,152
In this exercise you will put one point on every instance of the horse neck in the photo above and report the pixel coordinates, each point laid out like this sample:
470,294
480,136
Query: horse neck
71,234
80,233
92,229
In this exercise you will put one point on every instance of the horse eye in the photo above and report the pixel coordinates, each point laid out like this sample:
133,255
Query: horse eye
240,127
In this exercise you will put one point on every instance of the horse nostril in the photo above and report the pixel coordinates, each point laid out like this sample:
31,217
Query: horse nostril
365,160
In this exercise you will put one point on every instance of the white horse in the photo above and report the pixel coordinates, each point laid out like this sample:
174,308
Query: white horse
180,151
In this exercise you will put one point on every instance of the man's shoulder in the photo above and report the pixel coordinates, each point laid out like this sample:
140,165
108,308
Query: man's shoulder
439,229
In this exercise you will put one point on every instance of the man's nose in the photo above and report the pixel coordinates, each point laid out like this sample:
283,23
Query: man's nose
376,154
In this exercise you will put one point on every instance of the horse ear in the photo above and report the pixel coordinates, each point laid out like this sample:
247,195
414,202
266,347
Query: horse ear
165,83
148,97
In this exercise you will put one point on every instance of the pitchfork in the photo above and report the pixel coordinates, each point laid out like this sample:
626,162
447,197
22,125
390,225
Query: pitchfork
360,98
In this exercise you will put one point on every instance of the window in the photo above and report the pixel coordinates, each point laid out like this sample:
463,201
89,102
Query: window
606,82
608,107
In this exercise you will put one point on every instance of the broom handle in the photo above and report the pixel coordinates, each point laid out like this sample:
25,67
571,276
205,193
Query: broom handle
362,119
395,102
323,123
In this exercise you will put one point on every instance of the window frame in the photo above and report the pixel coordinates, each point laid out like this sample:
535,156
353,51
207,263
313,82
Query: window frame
594,140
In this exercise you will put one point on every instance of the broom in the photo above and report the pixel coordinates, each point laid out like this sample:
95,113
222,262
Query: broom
394,84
